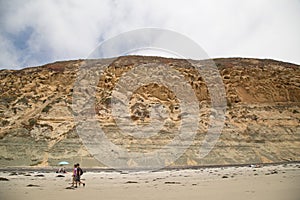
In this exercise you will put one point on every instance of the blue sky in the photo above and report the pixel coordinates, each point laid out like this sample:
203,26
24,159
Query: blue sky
34,32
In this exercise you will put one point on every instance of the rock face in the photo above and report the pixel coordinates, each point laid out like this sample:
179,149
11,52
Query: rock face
262,122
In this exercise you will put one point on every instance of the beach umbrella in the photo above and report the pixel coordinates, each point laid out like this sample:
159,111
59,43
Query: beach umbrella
63,163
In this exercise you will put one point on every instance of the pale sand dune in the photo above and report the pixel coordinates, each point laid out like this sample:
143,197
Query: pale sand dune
269,182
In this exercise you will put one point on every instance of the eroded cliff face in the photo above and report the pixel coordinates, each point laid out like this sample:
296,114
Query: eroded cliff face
262,122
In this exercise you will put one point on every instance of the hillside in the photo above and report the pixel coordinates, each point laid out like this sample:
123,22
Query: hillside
262,125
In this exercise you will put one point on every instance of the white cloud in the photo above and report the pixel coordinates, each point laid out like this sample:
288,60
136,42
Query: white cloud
8,54
61,30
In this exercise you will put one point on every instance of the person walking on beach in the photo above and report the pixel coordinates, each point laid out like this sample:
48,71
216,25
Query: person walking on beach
74,176
79,172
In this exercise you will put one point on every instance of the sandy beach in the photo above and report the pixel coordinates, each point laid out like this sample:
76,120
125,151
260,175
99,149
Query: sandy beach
245,182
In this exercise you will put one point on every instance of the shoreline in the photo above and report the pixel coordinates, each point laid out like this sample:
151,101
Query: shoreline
50,169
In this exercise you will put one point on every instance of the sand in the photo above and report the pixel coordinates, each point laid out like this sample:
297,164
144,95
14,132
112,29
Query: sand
268,182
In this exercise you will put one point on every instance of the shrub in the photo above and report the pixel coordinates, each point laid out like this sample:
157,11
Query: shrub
47,108
32,122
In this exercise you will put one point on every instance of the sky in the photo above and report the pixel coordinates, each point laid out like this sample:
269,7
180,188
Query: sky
34,32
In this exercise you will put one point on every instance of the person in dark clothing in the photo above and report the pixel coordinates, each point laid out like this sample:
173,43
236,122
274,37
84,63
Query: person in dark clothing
74,176
79,172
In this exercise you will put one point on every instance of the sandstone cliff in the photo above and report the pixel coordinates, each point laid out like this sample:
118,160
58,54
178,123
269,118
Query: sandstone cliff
262,124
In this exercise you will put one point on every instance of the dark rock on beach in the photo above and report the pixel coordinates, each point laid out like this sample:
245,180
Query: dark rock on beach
39,175
172,182
131,182
32,185
3,179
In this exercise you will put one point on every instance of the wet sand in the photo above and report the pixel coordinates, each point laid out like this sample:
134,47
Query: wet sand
268,182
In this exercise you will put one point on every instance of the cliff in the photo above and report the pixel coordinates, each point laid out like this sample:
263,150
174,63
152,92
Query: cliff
262,121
